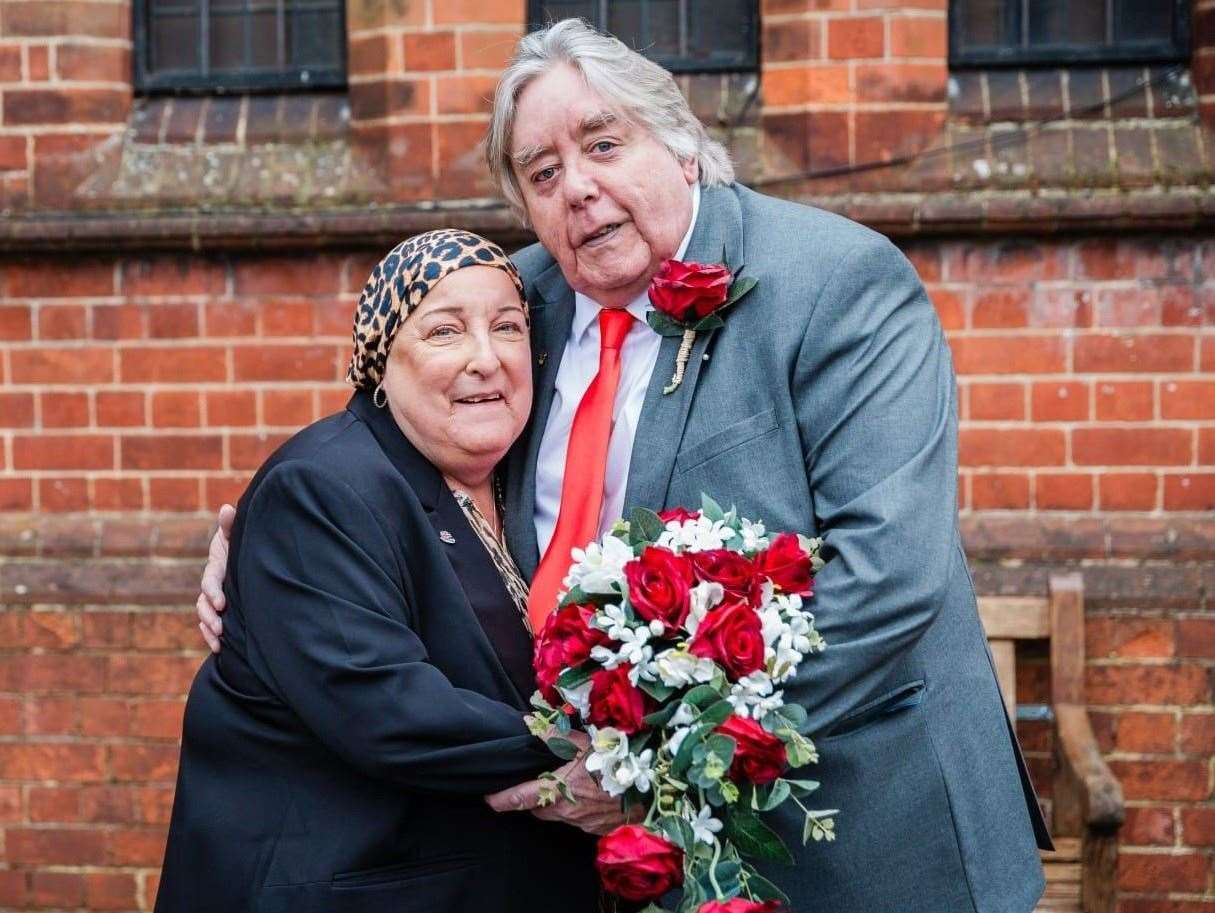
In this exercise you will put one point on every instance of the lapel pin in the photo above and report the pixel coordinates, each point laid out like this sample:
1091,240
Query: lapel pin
446,537
704,357
542,358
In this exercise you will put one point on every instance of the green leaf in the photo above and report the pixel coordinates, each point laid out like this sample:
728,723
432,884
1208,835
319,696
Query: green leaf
802,788
678,831
653,908
791,716
563,724
664,325
763,889
738,288
656,689
683,758
645,522
562,748
702,696
778,794
711,508
716,714
579,675
753,838
661,717
711,322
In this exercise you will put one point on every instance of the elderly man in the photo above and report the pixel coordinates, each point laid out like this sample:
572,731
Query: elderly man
824,404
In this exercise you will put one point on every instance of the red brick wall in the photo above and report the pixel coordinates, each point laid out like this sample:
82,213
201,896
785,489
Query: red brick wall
140,388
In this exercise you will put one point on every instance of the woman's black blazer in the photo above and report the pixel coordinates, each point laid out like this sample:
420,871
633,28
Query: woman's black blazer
371,689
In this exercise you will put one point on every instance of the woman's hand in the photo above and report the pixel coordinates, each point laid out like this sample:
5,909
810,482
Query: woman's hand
211,600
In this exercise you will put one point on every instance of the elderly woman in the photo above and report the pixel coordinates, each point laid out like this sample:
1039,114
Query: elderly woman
377,667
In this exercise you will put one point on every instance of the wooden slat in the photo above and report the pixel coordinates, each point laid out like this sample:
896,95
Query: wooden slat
1015,617
1004,654
1067,849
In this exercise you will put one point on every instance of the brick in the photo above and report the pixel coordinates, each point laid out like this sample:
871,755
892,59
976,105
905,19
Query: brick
153,804
1182,399
63,322
1128,307
54,804
143,762
1129,638
901,82
136,847
1145,872
62,366
120,409
1196,637
16,323
105,716
506,12
1059,401
465,94
1198,734
428,51
61,672
219,490
1105,354
1207,353
178,364
287,318
36,107
59,451
820,84
1117,258
230,319
287,407
1011,447
168,451
1125,401
118,494
285,362
1191,491
10,67
120,321
1131,684
161,719
231,408
16,410
1127,491
66,17
918,36
1148,826
1145,733
995,402
1001,307
885,135
791,40
367,55
16,494
249,451
93,63
176,409
51,761
51,716
488,50
56,889
1198,826
174,494
1145,446
1063,491
52,630
389,98
1008,355
173,321
856,38
64,410
151,674
950,307
1061,307
319,275
55,846
1000,491
111,891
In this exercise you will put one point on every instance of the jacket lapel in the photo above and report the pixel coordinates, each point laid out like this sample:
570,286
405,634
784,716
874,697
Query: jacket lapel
718,234
551,319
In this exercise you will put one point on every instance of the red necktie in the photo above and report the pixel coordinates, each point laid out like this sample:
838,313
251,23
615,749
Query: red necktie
585,469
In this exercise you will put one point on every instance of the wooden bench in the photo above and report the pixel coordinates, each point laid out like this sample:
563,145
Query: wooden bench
1088,806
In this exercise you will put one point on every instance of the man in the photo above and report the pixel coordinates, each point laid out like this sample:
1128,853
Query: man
824,405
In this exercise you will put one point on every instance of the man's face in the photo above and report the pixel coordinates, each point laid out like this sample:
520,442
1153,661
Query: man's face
606,199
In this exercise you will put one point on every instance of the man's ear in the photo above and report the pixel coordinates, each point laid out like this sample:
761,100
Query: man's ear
691,170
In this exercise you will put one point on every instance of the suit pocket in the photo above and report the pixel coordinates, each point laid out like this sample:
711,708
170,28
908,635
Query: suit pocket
735,435
904,697
402,871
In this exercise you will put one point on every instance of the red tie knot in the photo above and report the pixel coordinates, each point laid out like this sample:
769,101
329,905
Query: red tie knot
614,326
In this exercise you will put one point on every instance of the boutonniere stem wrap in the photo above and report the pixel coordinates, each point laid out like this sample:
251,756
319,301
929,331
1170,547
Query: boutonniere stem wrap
689,298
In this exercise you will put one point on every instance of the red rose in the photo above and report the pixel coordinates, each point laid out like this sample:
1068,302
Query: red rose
689,291
565,641
678,514
732,636
659,582
737,575
788,565
759,756
638,865
615,701
740,905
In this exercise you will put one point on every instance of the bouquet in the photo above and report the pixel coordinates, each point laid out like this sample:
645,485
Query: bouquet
670,646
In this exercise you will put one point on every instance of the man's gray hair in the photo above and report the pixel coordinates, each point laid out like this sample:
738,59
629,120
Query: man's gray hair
645,92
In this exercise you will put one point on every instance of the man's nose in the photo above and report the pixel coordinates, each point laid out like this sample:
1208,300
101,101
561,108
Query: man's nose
579,186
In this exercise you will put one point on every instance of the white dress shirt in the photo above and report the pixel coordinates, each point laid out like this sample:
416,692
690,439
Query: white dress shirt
579,365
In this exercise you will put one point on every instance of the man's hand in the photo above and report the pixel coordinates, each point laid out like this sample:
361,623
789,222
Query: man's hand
211,600
594,811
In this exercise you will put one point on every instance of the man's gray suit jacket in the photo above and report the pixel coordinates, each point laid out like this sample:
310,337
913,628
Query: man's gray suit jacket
826,406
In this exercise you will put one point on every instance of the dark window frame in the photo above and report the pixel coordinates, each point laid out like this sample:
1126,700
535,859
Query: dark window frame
288,79
1176,50
676,64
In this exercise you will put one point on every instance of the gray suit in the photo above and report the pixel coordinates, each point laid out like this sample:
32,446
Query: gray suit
826,406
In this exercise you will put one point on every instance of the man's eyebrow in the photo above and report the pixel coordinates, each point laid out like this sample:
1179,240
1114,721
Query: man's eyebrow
590,124
598,121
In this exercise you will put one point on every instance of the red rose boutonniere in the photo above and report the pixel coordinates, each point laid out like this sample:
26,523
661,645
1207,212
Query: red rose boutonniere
688,298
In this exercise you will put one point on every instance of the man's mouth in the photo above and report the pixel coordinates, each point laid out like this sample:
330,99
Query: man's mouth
479,398
602,235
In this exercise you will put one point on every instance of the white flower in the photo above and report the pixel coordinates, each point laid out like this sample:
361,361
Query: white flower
630,771
678,668
683,716
704,825
698,535
608,745
753,692
579,698
599,568
677,738
753,536
704,596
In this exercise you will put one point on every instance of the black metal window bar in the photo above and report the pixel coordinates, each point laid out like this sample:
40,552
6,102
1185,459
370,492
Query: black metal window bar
239,45
1064,32
685,36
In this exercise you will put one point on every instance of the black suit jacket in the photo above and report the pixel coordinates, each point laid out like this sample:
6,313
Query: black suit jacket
371,689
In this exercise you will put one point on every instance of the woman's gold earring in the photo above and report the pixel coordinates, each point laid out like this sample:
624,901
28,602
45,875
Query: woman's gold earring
379,397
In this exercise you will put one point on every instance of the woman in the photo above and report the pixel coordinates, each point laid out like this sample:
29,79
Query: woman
377,662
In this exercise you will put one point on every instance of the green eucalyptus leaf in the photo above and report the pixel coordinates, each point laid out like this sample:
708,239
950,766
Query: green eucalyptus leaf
646,523
701,696
562,748
579,675
738,288
563,724
711,322
656,689
775,796
660,718
683,758
791,716
663,325
716,714
711,508
753,838
763,889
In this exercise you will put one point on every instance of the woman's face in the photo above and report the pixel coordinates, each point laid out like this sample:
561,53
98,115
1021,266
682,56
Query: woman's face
458,377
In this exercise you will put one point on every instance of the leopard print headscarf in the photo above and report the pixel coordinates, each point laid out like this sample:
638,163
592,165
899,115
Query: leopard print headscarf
401,280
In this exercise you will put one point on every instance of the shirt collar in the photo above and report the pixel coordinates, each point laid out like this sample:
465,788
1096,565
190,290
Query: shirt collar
586,310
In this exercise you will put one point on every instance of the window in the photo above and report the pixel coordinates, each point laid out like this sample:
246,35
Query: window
685,36
241,45
1018,32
